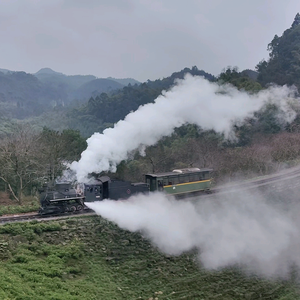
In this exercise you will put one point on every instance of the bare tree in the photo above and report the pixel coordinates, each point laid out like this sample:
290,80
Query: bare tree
19,166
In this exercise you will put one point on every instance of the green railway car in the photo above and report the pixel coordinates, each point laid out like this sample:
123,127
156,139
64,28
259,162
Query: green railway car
181,181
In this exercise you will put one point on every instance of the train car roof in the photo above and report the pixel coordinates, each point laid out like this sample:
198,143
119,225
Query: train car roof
180,171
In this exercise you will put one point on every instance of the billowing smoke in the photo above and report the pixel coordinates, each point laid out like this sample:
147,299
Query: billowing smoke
237,229
191,100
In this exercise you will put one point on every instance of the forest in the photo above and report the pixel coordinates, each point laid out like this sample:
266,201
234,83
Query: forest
36,147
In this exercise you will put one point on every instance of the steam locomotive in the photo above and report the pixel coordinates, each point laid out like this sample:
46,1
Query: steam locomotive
63,197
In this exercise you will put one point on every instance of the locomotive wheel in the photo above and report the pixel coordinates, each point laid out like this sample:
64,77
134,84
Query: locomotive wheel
72,208
79,207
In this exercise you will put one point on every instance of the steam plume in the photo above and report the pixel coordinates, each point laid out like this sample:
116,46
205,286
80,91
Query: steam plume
191,100
235,229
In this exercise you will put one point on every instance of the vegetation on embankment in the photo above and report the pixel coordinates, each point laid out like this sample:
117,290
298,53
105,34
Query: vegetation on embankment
8,206
90,258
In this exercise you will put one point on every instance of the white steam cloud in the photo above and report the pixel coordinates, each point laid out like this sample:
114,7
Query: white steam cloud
191,100
236,229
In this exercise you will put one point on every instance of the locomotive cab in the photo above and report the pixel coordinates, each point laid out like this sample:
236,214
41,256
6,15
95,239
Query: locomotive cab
93,192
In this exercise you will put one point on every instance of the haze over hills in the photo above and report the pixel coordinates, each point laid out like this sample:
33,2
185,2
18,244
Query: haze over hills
90,104
75,81
5,71
24,95
79,87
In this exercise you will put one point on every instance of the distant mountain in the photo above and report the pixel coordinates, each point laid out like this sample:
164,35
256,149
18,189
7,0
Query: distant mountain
48,93
62,81
95,87
23,95
48,71
5,71
125,81
80,87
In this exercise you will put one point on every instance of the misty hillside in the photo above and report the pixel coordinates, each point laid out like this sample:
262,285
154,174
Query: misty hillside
79,87
125,81
24,95
60,80
94,88
4,71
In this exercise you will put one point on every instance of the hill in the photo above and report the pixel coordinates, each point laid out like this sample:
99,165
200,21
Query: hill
79,87
125,81
95,87
62,81
24,95
283,65
90,258
4,71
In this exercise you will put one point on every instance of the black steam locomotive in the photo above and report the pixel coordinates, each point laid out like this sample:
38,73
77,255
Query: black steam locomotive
63,197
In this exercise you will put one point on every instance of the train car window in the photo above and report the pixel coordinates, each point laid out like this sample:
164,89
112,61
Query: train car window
153,184
181,180
166,181
148,181
175,180
91,189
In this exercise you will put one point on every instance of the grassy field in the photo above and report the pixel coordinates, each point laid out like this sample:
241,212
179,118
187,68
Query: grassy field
9,206
90,258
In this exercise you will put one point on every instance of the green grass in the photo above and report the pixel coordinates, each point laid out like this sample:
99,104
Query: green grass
30,204
90,258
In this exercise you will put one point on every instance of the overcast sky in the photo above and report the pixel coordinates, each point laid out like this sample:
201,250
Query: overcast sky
141,39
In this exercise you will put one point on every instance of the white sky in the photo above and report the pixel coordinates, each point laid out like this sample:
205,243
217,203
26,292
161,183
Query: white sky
142,39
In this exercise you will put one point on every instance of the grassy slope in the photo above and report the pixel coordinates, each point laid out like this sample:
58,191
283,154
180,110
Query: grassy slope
90,258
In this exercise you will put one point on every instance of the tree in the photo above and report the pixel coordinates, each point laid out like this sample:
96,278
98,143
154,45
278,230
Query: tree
58,148
241,80
20,168
296,21
283,66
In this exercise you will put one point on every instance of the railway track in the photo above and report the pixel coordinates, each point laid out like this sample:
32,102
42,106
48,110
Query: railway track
288,174
259,182
31,217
